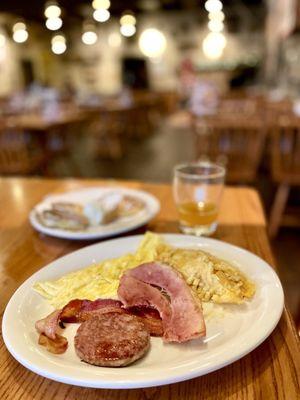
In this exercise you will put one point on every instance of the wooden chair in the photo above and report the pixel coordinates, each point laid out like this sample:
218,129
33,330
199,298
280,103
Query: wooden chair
236,142
144,118
243,108
298,320
285,169
167,101
62,144
106,132
16,156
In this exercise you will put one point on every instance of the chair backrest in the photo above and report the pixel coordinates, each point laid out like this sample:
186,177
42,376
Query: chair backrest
238,107
113,122
235,142
285,143
14,157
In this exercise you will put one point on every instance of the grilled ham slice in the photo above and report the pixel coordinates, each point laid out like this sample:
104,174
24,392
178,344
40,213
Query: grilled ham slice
135,293
186,321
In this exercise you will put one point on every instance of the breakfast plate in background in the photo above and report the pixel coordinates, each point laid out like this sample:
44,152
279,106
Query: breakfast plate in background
104,212
230,335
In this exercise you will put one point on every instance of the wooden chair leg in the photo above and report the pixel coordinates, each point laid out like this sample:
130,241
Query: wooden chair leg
278,208
298,320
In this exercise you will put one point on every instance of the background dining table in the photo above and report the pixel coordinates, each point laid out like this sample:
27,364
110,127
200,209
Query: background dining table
271,371
36,121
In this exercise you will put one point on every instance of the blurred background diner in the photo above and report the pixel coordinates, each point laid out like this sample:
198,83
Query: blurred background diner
128,89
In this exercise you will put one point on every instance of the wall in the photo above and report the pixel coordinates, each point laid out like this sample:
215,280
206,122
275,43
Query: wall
98,67
163,72
46,67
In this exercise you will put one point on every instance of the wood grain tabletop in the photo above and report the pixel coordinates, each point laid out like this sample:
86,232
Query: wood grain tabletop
271,371
37,122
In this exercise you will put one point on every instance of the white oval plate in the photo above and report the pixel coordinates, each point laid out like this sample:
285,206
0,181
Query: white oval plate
228,338
85,195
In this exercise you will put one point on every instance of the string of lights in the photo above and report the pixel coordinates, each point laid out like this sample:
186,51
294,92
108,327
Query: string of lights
152,42
214,43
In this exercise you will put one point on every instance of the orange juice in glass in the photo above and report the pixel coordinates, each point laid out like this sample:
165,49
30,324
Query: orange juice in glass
197,190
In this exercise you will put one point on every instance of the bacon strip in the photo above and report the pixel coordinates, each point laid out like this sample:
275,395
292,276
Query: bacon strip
49,330
77,310
150,318
56,346
82,310
49,326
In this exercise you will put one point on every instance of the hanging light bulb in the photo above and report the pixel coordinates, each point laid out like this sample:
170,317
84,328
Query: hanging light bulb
58,44
101,15
20,34
216,16
19,26
58,38
127,30
152,43
89,35
213,45
128,22
53,24
215,25
128,19
59,48
104,4
52,10
213,6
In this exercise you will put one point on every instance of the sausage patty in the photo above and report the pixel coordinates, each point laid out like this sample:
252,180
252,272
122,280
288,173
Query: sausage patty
112,340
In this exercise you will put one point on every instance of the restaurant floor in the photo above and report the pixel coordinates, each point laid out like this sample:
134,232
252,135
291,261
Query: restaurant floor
153,159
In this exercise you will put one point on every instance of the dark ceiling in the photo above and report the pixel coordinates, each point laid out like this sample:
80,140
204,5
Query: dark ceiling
33,9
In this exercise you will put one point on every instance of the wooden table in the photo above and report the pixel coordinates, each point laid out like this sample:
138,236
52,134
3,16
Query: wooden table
36,121
269,372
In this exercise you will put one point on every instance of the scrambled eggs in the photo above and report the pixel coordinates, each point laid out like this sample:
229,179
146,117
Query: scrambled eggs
212,279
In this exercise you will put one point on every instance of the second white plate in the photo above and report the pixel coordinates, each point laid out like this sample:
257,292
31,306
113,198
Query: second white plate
85,195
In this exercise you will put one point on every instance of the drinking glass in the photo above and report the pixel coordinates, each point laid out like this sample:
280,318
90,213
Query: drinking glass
197,189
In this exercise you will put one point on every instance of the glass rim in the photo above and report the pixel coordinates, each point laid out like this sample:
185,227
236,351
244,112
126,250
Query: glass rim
220,173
